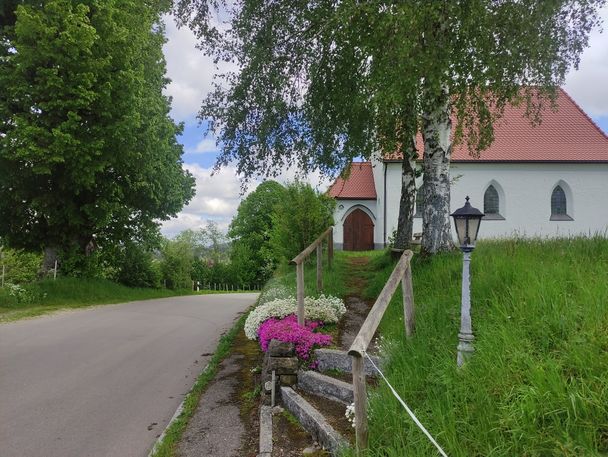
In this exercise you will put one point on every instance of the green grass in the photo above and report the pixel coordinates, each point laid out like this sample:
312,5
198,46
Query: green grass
537,384
69,293
173,434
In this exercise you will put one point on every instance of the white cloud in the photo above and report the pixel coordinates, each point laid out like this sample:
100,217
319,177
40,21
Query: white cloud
218,197
205,146
588,85
190,71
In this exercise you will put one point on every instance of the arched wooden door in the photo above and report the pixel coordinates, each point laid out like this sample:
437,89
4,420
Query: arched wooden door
358,232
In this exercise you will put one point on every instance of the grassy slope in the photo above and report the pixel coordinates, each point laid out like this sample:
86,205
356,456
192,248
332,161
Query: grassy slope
538,383
334,280
66,293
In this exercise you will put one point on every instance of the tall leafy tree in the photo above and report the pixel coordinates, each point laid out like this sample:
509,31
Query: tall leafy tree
322,82
88,152
298,219
250,233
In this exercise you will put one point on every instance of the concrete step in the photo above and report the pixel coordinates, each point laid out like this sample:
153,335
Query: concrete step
325,386
313,421
334,359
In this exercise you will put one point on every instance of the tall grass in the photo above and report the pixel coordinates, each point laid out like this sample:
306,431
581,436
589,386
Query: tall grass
537,384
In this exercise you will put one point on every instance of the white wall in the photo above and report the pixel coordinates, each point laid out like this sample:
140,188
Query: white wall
344,208
527,190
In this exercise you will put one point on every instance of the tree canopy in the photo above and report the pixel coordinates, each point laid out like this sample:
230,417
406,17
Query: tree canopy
319,83
298,219
251,228
88,152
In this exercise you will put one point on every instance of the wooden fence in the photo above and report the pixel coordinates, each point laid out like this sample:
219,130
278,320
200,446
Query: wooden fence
401,274
299,262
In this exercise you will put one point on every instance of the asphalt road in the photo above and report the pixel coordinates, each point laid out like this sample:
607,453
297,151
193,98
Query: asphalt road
105,381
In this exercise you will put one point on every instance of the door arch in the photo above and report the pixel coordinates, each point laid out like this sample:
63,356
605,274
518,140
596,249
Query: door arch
358,231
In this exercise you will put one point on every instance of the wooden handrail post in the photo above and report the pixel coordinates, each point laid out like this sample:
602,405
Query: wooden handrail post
360,395
320,267
330,248
300,291
408,302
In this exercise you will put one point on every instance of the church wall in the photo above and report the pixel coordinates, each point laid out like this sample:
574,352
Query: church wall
525,190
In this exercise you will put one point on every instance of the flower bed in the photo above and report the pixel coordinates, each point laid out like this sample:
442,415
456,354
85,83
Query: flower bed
287,330
326,309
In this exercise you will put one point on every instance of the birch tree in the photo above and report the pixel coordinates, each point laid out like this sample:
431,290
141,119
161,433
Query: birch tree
319,83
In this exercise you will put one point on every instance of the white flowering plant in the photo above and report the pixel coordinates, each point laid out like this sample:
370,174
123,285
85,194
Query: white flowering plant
350,414
20,293
324,308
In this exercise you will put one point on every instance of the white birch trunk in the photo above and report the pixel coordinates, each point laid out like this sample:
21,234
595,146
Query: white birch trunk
436,130
405,223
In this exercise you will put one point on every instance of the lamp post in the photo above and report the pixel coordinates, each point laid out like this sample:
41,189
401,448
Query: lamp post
467,220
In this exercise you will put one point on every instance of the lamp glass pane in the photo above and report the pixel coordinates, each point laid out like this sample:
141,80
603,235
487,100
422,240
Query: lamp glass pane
460,223
473,229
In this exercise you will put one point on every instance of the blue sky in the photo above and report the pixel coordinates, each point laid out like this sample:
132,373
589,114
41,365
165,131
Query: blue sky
218,196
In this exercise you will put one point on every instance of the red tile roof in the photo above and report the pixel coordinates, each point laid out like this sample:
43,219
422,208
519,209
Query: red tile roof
358,185
566,135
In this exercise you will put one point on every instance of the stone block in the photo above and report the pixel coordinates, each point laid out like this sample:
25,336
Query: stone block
313,421
325,386
288,379
278,348
283,365
266,430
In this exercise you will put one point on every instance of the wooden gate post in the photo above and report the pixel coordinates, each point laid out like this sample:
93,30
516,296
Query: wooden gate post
330,247
408,302
360,394
320,267
300,292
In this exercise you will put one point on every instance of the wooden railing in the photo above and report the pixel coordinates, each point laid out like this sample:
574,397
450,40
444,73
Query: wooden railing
299,262
402,273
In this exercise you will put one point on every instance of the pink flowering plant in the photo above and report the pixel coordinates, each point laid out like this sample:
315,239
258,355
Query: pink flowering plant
287,330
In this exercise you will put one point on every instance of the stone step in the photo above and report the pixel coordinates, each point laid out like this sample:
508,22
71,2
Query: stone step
325,386
313,421
334,359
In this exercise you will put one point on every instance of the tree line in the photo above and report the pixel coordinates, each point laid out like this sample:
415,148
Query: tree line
273,224
89,157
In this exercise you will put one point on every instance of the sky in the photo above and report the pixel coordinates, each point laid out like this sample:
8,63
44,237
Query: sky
218,196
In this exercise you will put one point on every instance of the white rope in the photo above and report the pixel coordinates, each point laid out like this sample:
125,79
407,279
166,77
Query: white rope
409,411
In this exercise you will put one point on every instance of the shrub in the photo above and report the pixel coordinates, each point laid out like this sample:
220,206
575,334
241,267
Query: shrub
298,219
138,268
20,266
287,330
176,265
327,309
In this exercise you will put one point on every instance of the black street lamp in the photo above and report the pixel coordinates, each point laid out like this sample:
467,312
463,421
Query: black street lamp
467,221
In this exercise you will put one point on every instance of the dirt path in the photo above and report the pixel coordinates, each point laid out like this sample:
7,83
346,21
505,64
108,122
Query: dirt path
357,308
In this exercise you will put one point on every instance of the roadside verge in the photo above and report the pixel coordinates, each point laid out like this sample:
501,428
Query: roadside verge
167,443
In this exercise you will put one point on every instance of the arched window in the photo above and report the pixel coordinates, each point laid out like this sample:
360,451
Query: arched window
491,203
559,205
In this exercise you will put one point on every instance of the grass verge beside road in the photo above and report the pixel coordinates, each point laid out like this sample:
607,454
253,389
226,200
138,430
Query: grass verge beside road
69,293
